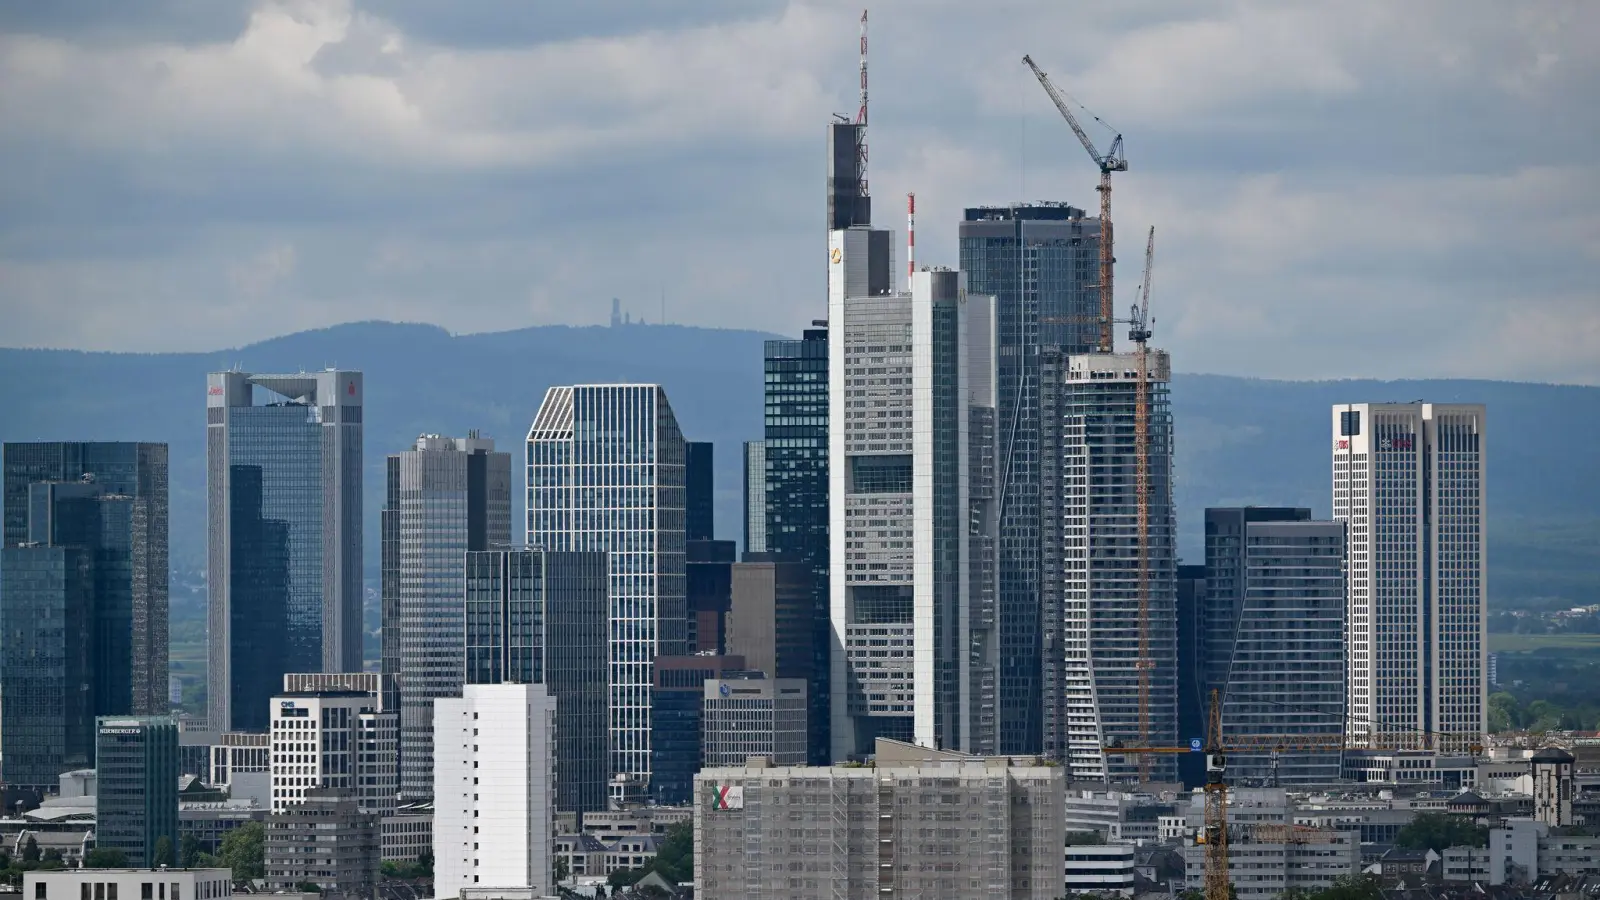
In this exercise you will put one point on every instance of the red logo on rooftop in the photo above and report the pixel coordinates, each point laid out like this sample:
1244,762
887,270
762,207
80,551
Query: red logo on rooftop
351,390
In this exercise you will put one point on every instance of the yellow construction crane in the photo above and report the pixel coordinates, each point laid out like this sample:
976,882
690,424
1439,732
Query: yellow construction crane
1113,161
1139,331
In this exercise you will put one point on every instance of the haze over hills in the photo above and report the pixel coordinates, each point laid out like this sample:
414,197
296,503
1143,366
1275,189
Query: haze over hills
1239,440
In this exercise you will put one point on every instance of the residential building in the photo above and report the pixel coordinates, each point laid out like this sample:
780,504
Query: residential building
83,594
795,487
283,522
911,504
1039,262
158,884
444,497
755,496
540,617
677,747
341,740
494,789
1095,690
606,474
1553,786
747,717
699,491
326,839
136,798
866,830
771,623
1408,480
1273,624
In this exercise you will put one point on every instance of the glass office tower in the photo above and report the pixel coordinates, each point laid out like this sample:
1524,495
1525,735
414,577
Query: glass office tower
283,502
606,474
1039,263
136,802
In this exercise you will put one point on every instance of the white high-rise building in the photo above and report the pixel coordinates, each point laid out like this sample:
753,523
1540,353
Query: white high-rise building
606,473
494,789
911,432
336,738
1408,479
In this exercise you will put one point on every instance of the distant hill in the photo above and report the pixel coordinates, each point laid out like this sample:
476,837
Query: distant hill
1239,440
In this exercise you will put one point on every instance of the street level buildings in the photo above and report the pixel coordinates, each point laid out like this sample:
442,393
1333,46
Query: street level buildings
888,830
1091,574
1273,621
759,716
444,497
1039,262
136,798
911,420
1408,480
326,839
541,617
606,474
677,746
338,739
283,521
494,789
83,599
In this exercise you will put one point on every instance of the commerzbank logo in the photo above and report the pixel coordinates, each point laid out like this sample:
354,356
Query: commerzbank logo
836,255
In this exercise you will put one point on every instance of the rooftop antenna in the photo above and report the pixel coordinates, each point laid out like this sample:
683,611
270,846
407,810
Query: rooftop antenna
861,114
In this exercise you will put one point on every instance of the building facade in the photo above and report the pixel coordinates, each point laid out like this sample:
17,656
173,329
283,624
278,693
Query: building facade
911,517
794,456
83,594
677,747
444,497
334,739
747,717
1274,638
606,474
136,798
1408,481
755,497
883,831
540,617
1091,571
176,884
494,789
283,521
699,491
772,620
1039,262
326,839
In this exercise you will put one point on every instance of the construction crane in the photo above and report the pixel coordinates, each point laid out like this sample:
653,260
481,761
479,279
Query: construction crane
1139,331
1214,833
1114,161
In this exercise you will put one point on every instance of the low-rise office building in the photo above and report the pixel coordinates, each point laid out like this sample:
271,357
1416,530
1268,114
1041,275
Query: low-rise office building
326,839
1100,869
128,884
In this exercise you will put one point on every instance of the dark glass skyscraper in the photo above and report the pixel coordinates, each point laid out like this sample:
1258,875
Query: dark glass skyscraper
1039,263
699,491
541,617
136,802
83,599
283,505
796,442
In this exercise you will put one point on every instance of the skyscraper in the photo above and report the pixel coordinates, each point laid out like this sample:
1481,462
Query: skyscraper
83,599
445,497
342,740
755,496
794,457
283,510
1090,578
1273,646
494,807
699,491
540,617
1039,263
1408,482
136,800
130,556
911,377
606,474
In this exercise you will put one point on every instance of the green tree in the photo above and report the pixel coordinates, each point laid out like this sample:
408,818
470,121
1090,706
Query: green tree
1352,887
163,854
622,878
51,856
1438,832
105,858
30,850
675,859
189,851
243,851
559,872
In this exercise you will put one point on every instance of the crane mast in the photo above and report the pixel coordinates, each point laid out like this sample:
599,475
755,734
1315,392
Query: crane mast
1113,161
1139,333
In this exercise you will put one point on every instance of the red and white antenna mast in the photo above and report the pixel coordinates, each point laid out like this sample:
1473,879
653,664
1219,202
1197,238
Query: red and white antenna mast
911,237
861,114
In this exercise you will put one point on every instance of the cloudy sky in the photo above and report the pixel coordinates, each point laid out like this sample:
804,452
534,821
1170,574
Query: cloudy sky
1367,187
